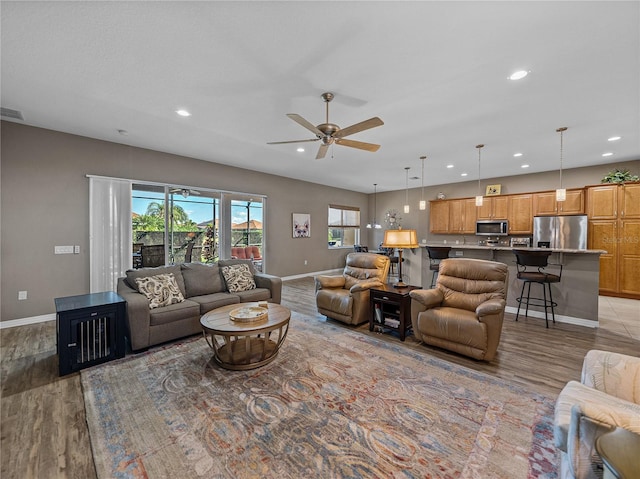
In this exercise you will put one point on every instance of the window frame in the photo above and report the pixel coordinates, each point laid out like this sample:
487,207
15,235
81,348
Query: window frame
343,225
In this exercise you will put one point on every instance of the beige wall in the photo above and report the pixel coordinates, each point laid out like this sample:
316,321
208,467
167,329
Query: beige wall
44,202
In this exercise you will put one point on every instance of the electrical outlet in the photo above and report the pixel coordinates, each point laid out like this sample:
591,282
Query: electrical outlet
76,249
22,295
305,262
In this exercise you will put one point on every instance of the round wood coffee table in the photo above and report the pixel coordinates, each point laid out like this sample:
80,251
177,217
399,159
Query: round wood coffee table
245,345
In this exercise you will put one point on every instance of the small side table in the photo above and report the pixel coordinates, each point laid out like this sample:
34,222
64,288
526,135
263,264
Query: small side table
619,450
90,329
391,308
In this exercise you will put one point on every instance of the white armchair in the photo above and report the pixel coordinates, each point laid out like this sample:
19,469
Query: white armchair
608,396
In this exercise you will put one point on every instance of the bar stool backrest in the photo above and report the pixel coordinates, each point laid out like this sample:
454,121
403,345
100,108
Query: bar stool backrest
532,258
438,252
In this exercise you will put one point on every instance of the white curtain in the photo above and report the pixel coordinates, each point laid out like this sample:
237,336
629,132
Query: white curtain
110,246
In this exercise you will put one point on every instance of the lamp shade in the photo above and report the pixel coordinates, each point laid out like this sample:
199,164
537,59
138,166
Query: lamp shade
400,239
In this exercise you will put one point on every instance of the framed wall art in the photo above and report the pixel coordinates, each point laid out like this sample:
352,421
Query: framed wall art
493,190
301,225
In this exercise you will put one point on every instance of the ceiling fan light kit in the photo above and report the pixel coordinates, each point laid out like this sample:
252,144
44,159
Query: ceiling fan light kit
330,133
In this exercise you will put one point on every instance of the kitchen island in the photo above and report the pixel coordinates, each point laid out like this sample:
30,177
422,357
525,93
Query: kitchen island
576,294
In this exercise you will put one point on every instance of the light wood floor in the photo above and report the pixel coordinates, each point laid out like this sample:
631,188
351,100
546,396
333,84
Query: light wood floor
43,430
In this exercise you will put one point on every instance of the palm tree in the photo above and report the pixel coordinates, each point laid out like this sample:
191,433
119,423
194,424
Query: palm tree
156,208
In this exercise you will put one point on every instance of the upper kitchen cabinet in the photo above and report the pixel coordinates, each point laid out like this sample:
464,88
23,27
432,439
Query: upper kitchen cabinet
452,216
520,214
545,204
494,208
439,216
602,202
462,216
630,201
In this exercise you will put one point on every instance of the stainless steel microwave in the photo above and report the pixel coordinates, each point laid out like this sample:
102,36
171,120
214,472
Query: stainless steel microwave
492,228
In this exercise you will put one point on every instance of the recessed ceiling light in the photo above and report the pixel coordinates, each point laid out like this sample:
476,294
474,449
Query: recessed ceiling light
449,166
516,155
614,138
607,154
300,150
463,174
183,113
519,75
524,166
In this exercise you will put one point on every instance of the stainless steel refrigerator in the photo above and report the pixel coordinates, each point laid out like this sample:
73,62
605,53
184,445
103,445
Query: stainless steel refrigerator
560,232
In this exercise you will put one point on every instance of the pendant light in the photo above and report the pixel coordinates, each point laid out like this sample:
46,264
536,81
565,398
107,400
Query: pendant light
374,224
561,193
406,201
423,203
479,198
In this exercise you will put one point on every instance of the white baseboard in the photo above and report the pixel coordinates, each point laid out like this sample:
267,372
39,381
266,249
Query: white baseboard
559,318
12,323
315,273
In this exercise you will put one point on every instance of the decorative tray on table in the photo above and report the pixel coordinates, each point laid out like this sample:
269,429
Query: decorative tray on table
249,314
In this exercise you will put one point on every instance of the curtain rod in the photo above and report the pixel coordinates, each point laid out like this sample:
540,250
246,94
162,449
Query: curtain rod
158,183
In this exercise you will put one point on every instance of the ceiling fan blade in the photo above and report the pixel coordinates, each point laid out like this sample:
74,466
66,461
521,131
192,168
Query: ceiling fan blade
291,141
358,144
363,125
322,152
301,121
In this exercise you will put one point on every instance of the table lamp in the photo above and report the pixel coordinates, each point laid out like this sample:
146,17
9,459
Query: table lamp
400,239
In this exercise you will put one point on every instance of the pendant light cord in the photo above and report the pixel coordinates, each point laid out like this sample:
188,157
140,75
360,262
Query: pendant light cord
561,131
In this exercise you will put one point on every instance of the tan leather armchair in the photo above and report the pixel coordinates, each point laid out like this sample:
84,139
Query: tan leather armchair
607,396
346,297
464,312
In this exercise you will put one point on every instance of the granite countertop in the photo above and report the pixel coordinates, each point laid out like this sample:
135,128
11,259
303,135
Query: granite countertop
511,248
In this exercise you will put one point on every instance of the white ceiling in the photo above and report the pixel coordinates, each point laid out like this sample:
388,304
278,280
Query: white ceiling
434,72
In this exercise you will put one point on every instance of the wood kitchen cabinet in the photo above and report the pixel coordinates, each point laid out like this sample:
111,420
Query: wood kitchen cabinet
545,204
453,216
614,226
602,202
520,214
462,216
494,208
439,216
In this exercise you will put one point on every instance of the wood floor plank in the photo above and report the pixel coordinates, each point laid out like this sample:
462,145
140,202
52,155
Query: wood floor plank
42,416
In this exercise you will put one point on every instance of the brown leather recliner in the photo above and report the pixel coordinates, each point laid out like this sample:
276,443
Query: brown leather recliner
346,297
464,312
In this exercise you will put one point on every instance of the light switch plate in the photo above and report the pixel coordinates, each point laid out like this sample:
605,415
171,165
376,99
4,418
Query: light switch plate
63,249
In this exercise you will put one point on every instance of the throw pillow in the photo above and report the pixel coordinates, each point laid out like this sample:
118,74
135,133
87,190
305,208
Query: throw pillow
160,290
238,278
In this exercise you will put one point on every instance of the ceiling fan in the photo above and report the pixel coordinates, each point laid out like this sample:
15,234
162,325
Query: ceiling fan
185,192
330,133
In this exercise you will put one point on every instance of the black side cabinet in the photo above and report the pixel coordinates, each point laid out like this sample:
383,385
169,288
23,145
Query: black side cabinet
90,329
391,308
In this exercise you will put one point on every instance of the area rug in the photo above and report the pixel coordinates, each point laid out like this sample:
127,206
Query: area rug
334,404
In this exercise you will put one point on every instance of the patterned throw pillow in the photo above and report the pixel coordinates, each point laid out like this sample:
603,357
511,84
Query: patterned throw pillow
238,278
160,290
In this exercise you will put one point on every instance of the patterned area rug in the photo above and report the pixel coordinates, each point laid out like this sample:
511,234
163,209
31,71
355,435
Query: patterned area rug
334,404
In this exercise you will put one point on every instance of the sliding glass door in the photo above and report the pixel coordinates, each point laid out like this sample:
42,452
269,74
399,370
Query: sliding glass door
177,224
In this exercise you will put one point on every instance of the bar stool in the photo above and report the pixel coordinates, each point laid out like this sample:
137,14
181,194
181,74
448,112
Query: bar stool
531,269
436,254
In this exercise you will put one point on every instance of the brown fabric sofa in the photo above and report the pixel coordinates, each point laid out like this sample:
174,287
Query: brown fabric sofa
204,289
464,312
346,297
